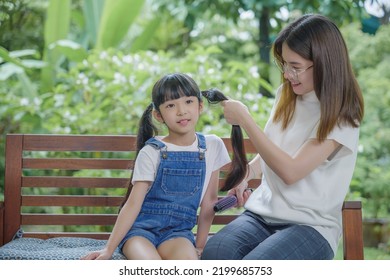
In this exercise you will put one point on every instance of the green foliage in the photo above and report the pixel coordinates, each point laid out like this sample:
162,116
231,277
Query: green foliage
56,28
109,90
21,24
370,56
116,18
92,11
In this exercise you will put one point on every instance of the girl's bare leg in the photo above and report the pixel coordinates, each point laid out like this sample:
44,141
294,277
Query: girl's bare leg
177,249
140,248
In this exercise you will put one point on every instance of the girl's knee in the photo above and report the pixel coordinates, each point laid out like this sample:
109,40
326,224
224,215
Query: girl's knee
177,249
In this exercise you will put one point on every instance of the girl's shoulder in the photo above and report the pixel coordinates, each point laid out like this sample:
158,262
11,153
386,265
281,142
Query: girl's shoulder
212,138
214,142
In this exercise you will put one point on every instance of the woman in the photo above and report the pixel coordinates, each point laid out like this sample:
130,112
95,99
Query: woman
306,153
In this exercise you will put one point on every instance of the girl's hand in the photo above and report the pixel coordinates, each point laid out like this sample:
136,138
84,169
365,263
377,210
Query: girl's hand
234,111
98,255
199,251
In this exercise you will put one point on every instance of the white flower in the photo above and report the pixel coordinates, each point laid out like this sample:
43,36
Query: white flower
119,78
24,101
127,59
103,55
117,61
254,71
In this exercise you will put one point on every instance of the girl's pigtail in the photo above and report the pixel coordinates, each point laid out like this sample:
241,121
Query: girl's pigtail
239,161
146,131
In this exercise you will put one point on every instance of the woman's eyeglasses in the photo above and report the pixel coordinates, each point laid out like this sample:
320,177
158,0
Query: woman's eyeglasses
292,72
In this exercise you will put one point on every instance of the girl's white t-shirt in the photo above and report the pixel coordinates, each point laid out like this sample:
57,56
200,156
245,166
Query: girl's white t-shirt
317,199
148,159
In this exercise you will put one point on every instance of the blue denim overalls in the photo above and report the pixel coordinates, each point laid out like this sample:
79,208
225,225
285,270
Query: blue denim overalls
170,206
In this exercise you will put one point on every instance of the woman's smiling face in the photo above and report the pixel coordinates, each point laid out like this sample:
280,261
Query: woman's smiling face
302,80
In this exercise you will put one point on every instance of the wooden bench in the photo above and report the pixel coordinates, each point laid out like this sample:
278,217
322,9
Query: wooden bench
71,186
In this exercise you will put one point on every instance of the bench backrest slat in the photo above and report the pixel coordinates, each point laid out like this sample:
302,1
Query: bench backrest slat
73,182
71,200
75,164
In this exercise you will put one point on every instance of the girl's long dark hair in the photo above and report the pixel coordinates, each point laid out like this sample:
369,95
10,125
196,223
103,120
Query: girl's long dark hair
239,163
146,131
174,86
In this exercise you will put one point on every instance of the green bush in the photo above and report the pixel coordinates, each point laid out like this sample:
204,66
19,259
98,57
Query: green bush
370,56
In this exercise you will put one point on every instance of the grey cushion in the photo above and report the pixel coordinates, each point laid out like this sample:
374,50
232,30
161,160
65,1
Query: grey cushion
58,248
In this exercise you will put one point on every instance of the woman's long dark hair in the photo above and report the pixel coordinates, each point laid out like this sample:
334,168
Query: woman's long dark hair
239,163
174,86
318,39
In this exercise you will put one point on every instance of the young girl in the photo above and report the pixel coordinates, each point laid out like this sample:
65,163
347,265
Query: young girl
172,176
306,154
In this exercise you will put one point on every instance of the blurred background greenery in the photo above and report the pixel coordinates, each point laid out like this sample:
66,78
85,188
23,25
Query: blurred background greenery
87,67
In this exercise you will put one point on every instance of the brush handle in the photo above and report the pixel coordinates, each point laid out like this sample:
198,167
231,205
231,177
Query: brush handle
225,203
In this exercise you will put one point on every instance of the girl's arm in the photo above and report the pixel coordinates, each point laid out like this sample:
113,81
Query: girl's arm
125,220
289,168
207,213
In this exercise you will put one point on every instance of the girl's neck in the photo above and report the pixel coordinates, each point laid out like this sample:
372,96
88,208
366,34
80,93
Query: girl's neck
180,139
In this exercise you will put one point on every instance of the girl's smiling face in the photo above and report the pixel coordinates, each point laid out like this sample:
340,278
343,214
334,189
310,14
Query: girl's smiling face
298,71
180,115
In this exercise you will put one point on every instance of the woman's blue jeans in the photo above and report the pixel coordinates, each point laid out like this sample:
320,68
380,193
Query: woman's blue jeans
249,237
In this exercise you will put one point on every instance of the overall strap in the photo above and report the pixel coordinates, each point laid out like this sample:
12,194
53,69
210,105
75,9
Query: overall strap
155,143
158,145
201,145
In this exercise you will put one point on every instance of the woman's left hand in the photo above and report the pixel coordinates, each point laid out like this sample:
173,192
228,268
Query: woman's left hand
242,192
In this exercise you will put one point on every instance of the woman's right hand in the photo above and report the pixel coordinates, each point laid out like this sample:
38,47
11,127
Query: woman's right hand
234,111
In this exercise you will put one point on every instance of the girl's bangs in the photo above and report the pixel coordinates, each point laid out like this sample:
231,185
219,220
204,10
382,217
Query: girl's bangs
174,87
173,92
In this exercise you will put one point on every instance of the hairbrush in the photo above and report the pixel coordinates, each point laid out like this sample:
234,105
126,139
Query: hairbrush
225,203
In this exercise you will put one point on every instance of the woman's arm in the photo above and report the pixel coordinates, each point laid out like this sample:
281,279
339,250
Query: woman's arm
254,172
125,220
289,168
207,213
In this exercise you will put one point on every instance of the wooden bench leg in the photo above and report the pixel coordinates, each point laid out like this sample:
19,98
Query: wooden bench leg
353,230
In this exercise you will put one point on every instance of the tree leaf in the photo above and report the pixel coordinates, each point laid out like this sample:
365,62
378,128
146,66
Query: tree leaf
72,50
57,21
117,17
93,10
142,42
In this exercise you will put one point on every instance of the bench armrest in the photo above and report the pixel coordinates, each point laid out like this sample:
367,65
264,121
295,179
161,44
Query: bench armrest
353,230
1,223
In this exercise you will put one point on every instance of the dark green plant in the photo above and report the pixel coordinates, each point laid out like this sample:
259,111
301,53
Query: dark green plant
370,56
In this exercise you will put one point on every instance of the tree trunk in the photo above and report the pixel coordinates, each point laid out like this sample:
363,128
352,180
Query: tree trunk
264,48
